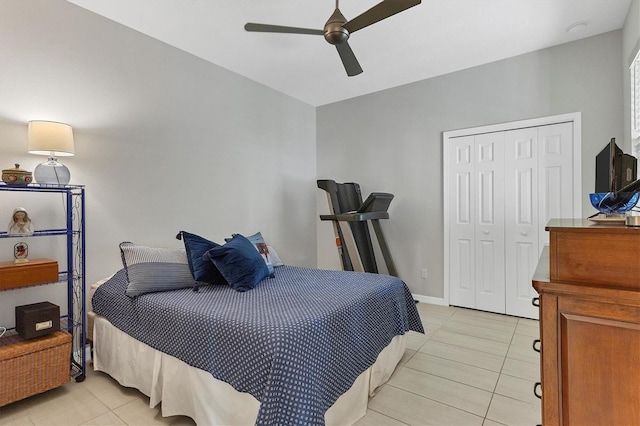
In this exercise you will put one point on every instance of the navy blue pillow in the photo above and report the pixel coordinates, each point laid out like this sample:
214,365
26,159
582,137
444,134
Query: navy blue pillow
239,263
202,270
258,242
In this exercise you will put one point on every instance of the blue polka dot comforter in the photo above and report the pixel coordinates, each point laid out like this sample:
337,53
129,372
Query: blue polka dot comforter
296,342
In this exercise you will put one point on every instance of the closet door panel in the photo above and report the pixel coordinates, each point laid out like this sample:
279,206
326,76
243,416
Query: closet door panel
521,219
489,225
555,163
519,294
461,233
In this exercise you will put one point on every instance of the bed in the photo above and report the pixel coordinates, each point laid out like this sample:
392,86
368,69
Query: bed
307,346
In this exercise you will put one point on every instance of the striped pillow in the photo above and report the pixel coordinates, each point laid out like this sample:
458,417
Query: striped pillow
152,269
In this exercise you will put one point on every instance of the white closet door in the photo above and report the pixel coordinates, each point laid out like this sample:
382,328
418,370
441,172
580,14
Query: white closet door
503,184
539,172
522,225
460,197
556,174
489,222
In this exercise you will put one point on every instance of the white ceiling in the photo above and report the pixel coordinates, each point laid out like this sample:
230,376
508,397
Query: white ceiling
431,39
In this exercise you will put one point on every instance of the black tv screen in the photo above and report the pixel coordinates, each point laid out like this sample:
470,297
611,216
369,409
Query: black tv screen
614,169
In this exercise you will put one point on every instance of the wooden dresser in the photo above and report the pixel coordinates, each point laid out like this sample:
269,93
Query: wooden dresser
588,280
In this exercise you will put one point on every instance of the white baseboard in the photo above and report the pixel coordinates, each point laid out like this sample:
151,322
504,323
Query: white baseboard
429,299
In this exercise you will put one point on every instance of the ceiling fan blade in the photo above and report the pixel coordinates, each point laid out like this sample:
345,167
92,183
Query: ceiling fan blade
382,10
265,28
349,60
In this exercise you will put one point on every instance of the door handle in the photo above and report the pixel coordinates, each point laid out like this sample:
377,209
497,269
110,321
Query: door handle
485,232
524,233
535,302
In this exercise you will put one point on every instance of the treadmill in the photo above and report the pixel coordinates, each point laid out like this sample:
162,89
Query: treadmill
350,217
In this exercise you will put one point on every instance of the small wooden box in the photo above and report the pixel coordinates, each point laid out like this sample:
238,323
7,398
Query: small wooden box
36,271
37,319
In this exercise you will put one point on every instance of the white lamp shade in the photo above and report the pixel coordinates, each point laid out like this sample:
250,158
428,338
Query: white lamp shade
46,137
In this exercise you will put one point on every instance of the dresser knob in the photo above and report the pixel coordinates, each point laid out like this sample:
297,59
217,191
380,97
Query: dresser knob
537,386
536,342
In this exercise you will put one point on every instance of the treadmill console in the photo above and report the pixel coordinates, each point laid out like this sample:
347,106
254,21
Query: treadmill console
376,202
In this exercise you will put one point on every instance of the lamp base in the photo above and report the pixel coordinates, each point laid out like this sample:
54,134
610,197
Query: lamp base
51,172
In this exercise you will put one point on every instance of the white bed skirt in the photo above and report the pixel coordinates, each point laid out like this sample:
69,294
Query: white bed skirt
190,391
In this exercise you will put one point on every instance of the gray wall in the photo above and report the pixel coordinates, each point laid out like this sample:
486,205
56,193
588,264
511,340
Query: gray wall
164,141
392,140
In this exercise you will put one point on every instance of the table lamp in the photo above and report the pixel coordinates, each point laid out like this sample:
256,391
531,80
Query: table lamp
51,139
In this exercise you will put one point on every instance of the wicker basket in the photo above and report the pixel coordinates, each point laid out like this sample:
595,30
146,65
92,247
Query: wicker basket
29,367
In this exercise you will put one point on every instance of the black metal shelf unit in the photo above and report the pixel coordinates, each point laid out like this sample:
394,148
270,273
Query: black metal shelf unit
74,321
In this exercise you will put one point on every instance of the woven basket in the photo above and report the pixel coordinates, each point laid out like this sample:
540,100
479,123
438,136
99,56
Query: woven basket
29,367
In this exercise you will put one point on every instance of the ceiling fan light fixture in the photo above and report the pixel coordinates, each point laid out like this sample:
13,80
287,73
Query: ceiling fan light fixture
334,31
335,34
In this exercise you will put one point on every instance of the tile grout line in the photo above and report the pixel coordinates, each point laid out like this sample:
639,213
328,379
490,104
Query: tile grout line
435,400
499,375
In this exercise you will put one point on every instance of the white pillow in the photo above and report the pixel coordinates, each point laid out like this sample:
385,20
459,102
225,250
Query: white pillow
275,259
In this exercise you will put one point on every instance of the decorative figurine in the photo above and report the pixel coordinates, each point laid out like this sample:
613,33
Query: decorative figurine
20,223
20,252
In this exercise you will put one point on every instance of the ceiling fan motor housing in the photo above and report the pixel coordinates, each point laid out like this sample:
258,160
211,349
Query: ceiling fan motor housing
334,32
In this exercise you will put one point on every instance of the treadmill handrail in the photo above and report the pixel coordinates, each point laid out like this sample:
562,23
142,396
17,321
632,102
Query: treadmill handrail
355,217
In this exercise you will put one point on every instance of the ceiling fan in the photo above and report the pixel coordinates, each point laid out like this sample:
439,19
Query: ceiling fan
337,29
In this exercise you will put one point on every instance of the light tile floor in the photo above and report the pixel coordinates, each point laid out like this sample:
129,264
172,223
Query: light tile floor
470,368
